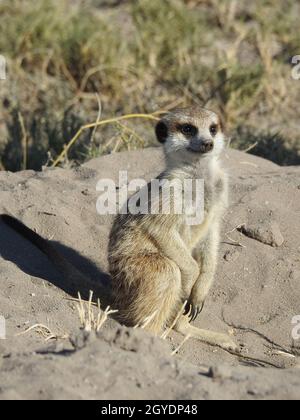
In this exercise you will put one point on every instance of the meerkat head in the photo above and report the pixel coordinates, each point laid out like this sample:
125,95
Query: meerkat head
191,133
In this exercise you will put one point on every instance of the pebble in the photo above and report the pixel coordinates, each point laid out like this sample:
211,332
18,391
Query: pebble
266,232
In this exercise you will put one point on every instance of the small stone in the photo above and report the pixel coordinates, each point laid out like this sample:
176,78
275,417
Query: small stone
294,275
267,232
220,372
253,392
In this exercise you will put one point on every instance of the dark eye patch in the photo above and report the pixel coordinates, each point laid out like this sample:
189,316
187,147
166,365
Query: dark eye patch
162,132
188,130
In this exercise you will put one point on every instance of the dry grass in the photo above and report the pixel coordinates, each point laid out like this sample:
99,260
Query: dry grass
167,332
228,55
181,345
233,241
92,319
45,332
98,124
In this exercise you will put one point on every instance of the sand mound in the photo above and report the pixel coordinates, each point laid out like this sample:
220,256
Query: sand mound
255,297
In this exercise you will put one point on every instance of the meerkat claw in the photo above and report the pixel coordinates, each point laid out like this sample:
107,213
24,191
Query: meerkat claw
197,312
193,311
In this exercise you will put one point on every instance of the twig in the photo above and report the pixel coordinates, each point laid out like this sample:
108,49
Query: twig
78,300
115,149
251,148
44,331
249,163
98,124
148,320
105,316
186,338
232,240
180,313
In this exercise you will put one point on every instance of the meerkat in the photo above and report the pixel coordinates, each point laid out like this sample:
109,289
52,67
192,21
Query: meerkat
158,261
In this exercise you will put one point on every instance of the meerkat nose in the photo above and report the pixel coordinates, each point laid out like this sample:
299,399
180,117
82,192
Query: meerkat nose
208,146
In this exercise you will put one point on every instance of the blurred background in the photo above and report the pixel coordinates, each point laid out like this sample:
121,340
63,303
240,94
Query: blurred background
66,57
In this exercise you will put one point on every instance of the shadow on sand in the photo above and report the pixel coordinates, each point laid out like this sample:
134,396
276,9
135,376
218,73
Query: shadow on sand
33,262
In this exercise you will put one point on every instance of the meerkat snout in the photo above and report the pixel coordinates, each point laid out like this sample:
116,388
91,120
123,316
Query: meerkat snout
194,131
199,145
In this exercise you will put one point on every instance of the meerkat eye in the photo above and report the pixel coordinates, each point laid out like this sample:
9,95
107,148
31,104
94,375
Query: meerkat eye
213,129
188,130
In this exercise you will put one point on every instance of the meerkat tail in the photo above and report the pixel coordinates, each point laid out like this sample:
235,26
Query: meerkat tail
75,281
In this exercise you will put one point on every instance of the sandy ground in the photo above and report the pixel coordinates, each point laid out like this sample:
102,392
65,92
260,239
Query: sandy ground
255,297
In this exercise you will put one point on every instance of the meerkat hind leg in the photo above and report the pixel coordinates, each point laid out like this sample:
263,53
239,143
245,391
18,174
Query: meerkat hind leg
209,337
155,298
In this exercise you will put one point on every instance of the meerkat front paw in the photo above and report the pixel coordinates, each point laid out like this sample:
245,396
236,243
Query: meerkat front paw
196,302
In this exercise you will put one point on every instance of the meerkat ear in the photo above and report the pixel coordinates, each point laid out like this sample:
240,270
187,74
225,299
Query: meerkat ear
162,132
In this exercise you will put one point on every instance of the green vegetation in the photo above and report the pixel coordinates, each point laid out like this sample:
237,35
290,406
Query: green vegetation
143,56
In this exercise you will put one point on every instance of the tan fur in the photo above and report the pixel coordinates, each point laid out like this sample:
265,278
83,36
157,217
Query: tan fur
159,261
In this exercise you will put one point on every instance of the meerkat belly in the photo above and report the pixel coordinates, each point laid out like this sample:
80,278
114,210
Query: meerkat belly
194,234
